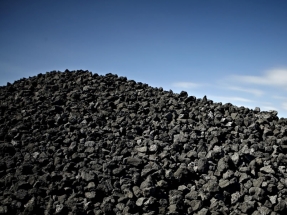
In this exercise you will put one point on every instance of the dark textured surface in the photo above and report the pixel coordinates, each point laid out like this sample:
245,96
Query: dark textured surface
78,143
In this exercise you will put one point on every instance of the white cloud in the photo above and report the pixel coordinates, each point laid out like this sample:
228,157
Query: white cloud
232,99
273,77
284,105
246,90
279,97
186,85
267,108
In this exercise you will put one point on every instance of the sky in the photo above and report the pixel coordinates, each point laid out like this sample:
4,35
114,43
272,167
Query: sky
231,51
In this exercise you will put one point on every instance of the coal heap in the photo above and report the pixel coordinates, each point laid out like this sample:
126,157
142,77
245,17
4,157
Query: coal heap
74,142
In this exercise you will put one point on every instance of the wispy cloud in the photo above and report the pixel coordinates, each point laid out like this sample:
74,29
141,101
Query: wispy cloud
284,105
280,97
232,99
255,92
267,108
186,85
273,77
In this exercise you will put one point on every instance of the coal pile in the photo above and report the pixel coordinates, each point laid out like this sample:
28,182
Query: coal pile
80,143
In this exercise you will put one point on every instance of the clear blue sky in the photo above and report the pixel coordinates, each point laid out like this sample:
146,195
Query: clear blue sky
230,51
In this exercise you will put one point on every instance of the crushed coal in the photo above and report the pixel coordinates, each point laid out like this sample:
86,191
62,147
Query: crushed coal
75,142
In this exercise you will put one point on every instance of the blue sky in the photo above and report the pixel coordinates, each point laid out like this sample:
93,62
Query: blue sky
230,51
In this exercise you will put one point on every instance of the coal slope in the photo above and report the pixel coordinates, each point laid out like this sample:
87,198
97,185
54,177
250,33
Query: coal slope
74,142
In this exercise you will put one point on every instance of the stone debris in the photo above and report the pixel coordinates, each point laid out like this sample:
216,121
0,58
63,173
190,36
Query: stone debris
74,142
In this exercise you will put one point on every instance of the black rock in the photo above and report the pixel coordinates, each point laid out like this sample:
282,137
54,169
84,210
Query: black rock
74,142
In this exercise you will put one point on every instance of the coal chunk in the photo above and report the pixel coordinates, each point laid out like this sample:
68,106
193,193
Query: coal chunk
75,142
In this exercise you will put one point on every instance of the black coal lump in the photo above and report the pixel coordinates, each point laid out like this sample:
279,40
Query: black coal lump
75,142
